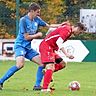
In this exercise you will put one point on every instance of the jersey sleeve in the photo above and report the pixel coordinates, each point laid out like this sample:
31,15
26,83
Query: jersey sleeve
41,22
22,25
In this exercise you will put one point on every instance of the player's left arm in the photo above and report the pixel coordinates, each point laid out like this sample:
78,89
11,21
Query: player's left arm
52,27
58,25
60,42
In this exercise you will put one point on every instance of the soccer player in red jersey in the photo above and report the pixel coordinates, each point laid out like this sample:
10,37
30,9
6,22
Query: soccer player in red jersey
52,42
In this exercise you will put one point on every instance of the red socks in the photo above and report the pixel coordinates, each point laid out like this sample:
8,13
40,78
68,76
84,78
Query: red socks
48,75
47,78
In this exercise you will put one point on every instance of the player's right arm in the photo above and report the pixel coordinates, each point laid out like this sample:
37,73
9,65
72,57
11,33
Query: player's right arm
24,31
27,36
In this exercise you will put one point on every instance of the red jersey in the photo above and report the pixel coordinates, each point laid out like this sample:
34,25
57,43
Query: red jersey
63,31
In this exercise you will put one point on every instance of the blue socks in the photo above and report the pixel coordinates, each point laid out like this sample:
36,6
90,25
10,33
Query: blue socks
9,73
14,69
39,75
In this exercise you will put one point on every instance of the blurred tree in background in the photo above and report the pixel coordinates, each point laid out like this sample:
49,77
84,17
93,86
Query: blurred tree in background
52,11
7,19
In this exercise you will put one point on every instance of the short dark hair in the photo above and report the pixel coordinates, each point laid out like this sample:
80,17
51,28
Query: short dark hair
33,6
81,26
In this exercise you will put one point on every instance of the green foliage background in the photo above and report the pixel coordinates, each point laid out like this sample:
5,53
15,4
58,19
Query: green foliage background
52,11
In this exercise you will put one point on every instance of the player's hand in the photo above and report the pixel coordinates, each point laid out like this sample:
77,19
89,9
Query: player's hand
70,56
39,34
27,36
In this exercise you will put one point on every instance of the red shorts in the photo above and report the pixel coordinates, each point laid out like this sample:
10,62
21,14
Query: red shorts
47,53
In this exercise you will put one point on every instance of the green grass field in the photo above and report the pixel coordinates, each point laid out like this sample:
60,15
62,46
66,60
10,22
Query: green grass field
21,84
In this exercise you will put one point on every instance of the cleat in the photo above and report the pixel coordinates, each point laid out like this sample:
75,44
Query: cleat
52,87
44,70
46,90
37,88
51,80
1,86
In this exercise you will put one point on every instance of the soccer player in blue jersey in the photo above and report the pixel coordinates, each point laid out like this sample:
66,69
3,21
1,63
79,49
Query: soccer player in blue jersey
28,27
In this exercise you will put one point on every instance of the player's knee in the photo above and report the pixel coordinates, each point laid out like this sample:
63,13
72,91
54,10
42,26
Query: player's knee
20,60
20,65
64,64
50,66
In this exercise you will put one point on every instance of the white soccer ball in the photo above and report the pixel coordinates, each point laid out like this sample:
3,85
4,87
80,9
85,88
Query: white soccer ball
74,85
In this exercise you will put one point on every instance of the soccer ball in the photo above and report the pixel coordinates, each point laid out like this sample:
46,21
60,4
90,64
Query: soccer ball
74,85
